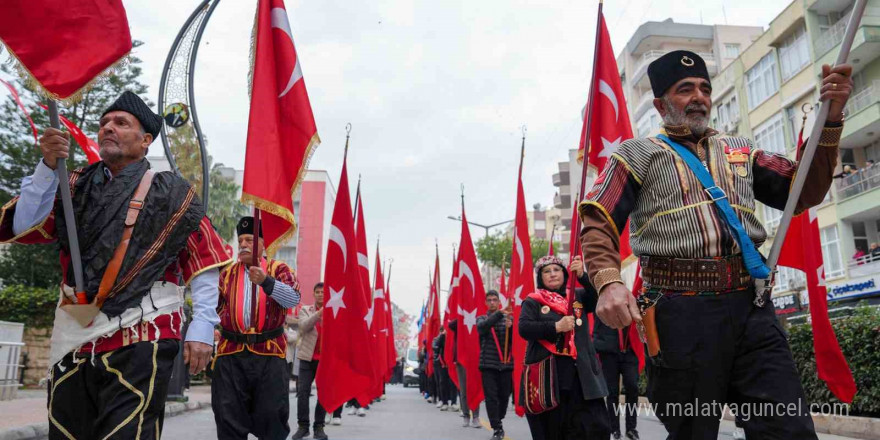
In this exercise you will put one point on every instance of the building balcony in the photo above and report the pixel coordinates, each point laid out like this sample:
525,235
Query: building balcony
864,266
862,181
562,201
866,45
560,179
862,117
641,78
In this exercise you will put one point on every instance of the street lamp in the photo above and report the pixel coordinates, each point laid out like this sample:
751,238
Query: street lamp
486,228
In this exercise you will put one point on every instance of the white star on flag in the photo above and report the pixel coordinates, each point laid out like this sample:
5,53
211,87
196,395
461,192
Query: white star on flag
369,318
609,147
336,302
470,319
504,301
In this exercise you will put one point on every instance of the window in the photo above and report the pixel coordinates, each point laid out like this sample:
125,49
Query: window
789,279
770,136
761,80
794,53
734,109
648,123
860,236
771,218
831,252
731,50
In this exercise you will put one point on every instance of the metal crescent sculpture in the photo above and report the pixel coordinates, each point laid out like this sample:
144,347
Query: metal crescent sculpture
176,85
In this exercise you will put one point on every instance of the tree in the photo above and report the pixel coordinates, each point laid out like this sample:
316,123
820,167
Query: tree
37,265
224,205
497,249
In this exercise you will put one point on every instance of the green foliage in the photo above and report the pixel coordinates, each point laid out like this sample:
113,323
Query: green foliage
859,337
497,249
33,265
224,206
35,307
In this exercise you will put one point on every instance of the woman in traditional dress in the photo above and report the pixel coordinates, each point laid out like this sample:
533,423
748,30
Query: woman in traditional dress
571,403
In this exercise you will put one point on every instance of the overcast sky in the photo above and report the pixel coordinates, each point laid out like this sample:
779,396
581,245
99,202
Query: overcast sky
435,92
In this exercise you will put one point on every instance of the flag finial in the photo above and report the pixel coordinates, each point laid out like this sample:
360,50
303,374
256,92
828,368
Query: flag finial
347,136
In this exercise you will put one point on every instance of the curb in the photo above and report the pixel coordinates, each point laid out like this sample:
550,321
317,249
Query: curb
40,431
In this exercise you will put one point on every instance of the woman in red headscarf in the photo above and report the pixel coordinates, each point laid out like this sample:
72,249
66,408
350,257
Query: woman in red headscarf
562,386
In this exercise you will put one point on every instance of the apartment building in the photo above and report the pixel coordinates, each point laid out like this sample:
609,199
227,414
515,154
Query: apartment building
763,93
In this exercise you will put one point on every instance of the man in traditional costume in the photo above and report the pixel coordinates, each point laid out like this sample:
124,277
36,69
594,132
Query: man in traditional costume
711,339
249,390
143,236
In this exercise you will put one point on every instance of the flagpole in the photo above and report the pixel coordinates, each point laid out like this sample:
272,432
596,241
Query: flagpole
807,158
522,155
69,219
357,198
587,146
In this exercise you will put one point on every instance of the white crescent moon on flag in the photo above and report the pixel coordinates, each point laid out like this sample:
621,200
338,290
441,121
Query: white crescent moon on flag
604,89
363,261
466,273
337,237
519,250
279,21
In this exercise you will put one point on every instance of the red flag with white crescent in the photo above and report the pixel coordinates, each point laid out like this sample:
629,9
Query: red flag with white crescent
450,314
345,342
371,317
281,128
522,283
608,119
472,303
802,250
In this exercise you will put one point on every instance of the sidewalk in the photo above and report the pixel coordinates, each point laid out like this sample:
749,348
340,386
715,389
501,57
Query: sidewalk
26,418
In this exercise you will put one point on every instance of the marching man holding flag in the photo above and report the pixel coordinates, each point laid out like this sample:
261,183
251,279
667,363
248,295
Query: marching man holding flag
690,195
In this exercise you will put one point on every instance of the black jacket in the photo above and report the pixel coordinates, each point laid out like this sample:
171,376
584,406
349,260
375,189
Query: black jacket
489,358
534,326
607,339
438,345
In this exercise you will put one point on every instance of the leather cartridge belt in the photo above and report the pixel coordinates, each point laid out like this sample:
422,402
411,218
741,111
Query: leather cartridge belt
695,274
251,338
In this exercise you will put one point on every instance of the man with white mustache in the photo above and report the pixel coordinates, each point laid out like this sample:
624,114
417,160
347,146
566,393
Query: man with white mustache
689,195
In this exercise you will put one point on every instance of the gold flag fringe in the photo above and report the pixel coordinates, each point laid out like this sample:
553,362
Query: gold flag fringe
77,96
278,210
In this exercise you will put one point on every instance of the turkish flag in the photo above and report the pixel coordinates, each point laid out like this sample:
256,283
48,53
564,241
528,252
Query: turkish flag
802,250
281,129
522,283
450,314
64,45
344,371
381,321
607,122
433,324
472,303
370,317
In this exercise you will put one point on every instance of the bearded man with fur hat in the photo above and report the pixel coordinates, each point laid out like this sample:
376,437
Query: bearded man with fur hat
143,236
689,195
